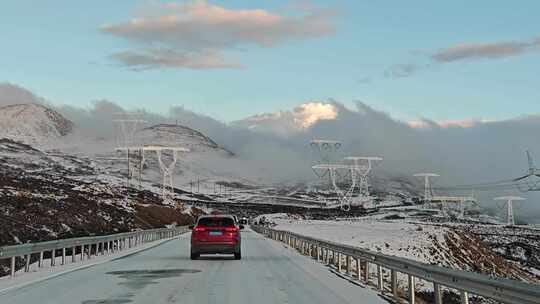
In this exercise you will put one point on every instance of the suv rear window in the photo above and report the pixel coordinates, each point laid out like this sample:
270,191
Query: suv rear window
216,222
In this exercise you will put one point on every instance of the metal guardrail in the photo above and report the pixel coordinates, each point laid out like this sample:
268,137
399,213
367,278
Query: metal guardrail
88,246
503,290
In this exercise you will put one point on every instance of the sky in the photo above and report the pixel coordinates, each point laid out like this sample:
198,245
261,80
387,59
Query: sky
442,60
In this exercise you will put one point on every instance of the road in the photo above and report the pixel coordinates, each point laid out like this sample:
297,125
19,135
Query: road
267,273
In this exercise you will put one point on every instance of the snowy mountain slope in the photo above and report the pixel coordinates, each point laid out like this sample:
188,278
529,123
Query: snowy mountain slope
46,195
448,246
206,162
32,124
170,134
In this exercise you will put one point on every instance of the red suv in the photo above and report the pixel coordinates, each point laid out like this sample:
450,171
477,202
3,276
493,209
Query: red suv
215,234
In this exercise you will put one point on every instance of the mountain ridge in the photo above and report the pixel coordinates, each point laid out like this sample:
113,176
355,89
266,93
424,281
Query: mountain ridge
33,123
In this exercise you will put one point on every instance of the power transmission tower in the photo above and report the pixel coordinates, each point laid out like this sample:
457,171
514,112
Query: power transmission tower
358,171
460,200
325,151
363,166
510,221
428,190
167,188
127,124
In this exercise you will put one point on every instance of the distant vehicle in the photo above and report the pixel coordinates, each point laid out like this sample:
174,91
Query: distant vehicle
244,221
216,234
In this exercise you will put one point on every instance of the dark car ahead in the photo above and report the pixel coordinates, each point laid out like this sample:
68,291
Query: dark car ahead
216,234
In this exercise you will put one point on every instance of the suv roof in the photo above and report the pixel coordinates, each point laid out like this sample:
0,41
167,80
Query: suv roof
216,215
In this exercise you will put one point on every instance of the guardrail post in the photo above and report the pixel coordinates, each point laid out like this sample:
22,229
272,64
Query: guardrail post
394,283
53,257
412,290
63,256
27,265
12,268
348,264
107,247
464,297
73,258
358,269
380,281
82,252
366,272
437,293
318,248
339,262
40,261
328,260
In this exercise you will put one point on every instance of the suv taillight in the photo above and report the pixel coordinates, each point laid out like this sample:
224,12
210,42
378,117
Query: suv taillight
231,229
199,229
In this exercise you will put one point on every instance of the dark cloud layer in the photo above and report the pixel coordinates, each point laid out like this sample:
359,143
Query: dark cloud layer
466,52
485,50
485,151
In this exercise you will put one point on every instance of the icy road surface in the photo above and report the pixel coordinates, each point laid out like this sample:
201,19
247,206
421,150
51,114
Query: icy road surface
267,273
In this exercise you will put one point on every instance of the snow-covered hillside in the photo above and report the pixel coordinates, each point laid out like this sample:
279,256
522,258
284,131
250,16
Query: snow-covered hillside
458,246
174,134
32,124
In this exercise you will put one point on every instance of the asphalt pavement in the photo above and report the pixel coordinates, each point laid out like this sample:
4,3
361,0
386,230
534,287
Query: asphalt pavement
268,273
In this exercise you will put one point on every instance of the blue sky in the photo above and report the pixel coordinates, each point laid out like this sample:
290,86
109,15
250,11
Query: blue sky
59,50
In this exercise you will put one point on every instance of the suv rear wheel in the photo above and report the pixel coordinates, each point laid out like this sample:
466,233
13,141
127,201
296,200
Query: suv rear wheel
237,255
195,256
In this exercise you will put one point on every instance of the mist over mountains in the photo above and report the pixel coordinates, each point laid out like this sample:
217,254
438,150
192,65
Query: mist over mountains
479,152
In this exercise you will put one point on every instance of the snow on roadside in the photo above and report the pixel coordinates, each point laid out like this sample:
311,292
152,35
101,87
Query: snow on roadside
395,238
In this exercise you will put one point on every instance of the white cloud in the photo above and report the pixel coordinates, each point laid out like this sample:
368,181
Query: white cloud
288,123
461,123
310,113
201,27
158,58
